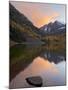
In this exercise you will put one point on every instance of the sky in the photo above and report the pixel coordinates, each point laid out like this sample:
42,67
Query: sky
41,13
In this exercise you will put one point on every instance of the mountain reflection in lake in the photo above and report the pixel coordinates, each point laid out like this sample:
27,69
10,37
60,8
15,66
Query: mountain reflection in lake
47,64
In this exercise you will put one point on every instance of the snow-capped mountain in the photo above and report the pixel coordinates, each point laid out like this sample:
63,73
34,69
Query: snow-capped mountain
53,28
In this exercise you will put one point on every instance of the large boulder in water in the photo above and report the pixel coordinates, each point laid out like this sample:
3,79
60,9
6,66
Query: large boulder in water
35,81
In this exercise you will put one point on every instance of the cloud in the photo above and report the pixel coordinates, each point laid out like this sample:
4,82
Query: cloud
41,19
38,13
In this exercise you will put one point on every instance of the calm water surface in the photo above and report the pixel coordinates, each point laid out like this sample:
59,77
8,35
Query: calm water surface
49,65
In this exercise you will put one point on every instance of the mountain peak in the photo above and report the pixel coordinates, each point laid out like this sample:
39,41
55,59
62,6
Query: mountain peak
54,28
58,23
50,23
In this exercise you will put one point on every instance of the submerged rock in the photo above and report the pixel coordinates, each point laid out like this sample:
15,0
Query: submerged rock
35,81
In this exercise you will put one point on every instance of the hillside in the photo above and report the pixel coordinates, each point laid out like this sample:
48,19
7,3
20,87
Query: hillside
21,29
